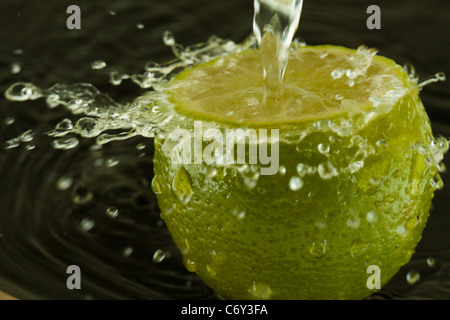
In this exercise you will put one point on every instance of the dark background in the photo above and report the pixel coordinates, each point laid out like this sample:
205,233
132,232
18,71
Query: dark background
40,231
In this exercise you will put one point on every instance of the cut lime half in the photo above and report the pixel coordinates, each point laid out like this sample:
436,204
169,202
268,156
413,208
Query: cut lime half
355,179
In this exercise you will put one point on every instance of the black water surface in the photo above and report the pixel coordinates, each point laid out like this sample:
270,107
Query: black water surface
41,230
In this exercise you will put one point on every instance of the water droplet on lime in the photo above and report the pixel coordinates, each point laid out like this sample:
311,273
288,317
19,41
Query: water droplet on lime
127,251
156,187
64,183
98,64
296,183
182,185
358,247
323,148
318,249
372,217
261,290
210,270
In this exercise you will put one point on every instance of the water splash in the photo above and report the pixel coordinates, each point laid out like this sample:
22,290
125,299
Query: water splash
106,120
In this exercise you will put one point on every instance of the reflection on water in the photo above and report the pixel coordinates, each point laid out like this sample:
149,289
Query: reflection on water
93,206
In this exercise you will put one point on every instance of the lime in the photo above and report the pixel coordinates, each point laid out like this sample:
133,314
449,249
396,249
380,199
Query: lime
356,167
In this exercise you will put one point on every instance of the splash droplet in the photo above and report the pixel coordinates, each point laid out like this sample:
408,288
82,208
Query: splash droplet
112,162
371,217
412,223
27,136
156,186
412,277
159,256
112,212
115,78
9,121
210,270
140,146
82,196
190,265
302,169
381,143
23,91
98,64
239,214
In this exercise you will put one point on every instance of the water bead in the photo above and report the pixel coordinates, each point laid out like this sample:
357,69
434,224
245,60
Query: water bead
112,212
65,143
115,78
412,277
98,64
323,148
11,144
371,217
112,162
30,147
16,68
127,251
27,136
168,38
23,91
64,183
296,183
9,121
82,196
210,270
381,143
140,146
159,256
87,224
